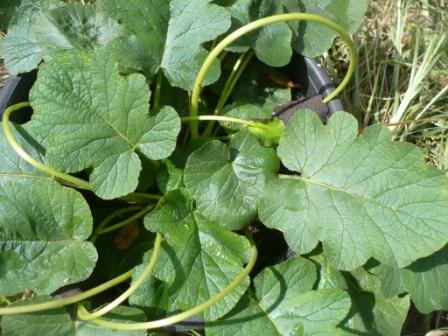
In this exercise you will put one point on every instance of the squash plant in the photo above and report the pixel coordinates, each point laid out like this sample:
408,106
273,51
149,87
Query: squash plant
144,188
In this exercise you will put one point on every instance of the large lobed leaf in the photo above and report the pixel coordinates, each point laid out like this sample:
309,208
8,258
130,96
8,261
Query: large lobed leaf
43,227
284,304
205,257
167,35
362,196
92,117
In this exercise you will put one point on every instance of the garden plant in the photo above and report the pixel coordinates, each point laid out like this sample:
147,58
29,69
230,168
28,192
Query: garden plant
153,185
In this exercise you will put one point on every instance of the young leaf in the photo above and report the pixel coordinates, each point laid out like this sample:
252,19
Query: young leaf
424,280
92,117
361,196
73,26
226,181
43,227
168,35
57,322
284,303
206,257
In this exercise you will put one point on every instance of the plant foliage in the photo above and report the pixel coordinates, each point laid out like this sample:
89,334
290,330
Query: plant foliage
163,225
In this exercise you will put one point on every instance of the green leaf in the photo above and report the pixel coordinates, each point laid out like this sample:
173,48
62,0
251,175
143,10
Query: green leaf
313,39
92,117
19,50
168,35
170,177
73,26
53,322
254,87
372,313
272,43
424,280
206,257
57,322
361,196
43,227
226,181
26,11
45,28
285,303
7,10
246,111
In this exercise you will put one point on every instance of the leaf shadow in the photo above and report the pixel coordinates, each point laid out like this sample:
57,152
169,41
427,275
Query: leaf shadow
245,303
179,274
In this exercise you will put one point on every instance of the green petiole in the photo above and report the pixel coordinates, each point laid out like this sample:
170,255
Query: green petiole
258,24
84,315
75,298
81,184
125,222
110,218
71,180
66,301
181,316
268,131
158,89
219,118
235,75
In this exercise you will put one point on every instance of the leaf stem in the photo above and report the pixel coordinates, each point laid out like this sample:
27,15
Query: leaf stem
110,217
219,118
66,301
71,180
258,24
184,315
158,89
5,300
84,315
234,76
125,222
81,184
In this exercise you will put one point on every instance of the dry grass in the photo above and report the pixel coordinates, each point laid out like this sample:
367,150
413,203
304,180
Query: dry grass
3,74
402,72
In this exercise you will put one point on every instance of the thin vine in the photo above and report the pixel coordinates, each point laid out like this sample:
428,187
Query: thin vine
229,39
83,313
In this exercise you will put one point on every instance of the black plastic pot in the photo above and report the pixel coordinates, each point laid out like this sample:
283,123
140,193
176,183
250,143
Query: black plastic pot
309,73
